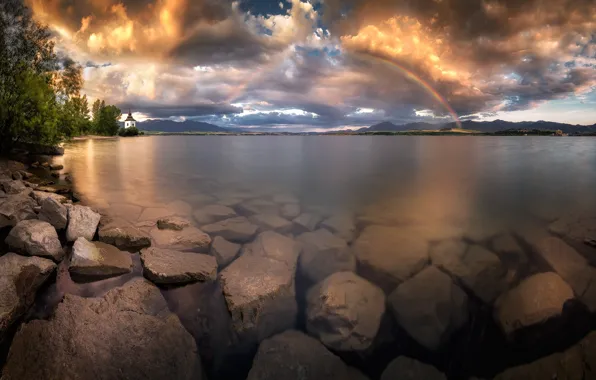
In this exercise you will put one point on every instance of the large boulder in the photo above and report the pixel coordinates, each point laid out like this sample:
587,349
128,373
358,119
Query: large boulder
271,222
404,368
388,257
213,213
261,296
576,363
82,222
166,266
293,355
187,239
430,307
16,208
175,223
54,212
275,246
40,196
344,311
534,300
12,187
342,225
36,238
127,334
98,260
120,233
224,251
324,254
238,230
477,268
20,277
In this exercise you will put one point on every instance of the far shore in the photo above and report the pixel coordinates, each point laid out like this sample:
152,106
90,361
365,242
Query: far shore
94,137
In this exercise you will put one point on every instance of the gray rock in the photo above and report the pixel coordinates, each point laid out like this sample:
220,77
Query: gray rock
271,222
577,363
127,334
224,251
54,213
40,196
17,176
16,208
258,206
430,307
478,269
213,213
166,266
13,187
533,301
344,312
97,259
274,246
324,254
306,222
82,222
388,257
20,278
571,266
187,239
293,355
35,238
238,230
341,225
404,368
120,233
261,296
290,211
175,223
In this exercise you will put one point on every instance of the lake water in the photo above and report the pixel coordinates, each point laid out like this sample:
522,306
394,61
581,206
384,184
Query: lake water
436,188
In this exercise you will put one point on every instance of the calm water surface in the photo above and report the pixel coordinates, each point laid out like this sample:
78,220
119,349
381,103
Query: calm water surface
446,186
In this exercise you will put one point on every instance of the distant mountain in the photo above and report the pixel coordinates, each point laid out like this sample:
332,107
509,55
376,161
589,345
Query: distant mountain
485,126
183,126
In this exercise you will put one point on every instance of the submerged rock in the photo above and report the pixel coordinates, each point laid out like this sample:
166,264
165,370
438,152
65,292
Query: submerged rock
127,334
388,257
82,222
534,300
238,230
576,227
98,260
224,251
20,277
16,208
54,213
477,268
271,222
293,355
285,199
258,206
577,363
430,307
36,238
324,254
344,311
154,213
120,233
306,222
189,238
175,223
213,213
290,211
39,196
404,368
261,296
341,225
166,266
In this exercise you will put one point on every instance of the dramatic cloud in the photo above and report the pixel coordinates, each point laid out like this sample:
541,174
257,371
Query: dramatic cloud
332,63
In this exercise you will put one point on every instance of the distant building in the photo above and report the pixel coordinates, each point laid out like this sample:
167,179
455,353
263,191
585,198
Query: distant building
130,121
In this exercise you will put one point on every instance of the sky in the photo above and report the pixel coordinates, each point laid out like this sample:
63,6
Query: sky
332,64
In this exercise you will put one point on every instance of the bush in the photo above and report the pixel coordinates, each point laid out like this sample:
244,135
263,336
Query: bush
128,132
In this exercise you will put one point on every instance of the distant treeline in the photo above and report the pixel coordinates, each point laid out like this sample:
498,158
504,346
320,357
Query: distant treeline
40,92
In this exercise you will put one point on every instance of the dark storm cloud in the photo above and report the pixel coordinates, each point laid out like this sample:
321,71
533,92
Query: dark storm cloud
161,111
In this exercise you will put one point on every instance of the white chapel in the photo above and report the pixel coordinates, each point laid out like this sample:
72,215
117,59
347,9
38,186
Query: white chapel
130,121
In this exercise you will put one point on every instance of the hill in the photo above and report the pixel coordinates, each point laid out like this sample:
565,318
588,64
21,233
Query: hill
183,126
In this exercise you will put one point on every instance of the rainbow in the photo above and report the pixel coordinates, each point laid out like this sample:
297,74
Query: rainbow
424,84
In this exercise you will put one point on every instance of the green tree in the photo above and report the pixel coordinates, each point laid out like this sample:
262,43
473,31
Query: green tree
108,121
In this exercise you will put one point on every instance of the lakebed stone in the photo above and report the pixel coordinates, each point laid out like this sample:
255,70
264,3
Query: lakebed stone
20,278
293,355
404,368
341,225
388,257
189,238
306,222
82,222
258,206
274,246
154,213
238,230
54,212
175,223
224,251
324,254
576,227
290,210
213,213
271,222
98,260
127,334
166,266
344,311
122,234
430,296
36,238
534,300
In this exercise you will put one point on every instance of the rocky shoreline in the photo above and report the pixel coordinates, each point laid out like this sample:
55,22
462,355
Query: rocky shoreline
248,286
